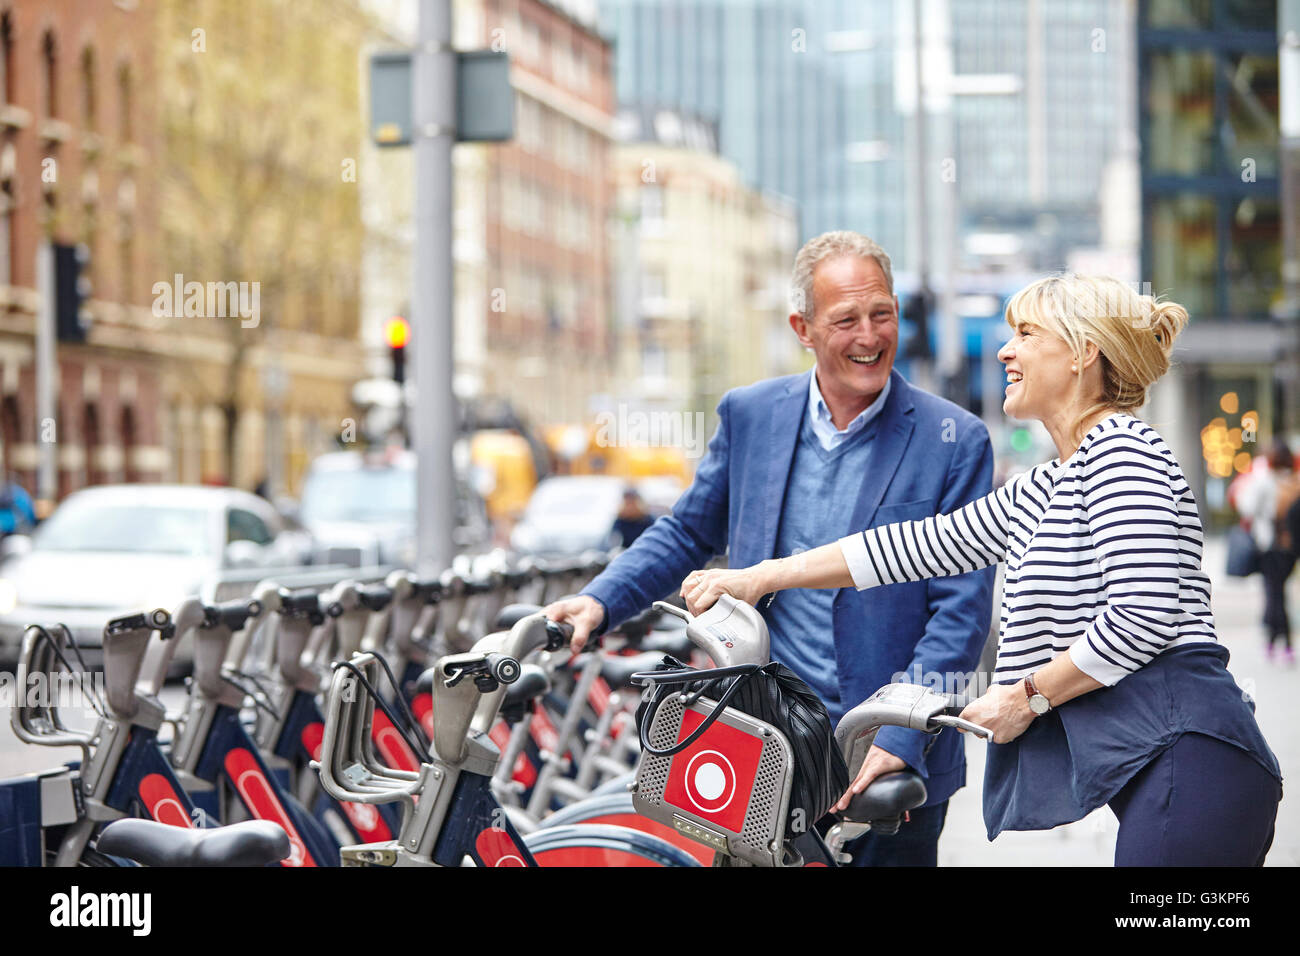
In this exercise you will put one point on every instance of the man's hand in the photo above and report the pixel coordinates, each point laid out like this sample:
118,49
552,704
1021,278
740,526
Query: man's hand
583,612
878,762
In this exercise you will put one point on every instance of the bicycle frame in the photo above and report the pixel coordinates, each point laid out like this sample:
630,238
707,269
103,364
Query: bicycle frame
214,747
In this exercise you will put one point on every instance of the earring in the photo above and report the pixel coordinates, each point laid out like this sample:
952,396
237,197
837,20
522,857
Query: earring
1074,368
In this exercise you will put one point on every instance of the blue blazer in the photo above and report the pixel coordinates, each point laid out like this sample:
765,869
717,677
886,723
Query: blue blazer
931,457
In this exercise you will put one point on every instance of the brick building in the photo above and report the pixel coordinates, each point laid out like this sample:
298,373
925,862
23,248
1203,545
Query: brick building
548,204
78,149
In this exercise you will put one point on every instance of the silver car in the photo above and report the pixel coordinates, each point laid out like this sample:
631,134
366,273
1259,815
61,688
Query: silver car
360,510
113,549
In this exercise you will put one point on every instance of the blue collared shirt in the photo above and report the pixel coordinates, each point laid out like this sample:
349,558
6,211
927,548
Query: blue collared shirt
828,436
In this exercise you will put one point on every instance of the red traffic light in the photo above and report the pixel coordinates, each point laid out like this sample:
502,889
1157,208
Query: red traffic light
397,332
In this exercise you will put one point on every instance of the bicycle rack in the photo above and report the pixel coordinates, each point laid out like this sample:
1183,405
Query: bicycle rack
40,723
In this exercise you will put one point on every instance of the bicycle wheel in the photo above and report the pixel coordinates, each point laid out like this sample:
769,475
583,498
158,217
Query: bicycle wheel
617,809
601,845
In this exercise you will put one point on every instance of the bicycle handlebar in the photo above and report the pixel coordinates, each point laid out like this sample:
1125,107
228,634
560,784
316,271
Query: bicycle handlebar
231,614
374,597
300,603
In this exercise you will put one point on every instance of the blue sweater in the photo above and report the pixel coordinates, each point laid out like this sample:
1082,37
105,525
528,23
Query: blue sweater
818,507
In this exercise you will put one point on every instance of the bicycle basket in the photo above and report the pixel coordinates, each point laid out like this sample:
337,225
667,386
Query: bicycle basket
742,782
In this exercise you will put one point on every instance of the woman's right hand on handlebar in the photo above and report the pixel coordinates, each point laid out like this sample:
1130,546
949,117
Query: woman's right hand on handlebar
586,614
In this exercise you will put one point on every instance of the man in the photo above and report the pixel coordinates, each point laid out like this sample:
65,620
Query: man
16,511
632,520
802,460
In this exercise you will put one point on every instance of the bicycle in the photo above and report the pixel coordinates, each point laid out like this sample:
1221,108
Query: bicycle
51,817
723,777
449,812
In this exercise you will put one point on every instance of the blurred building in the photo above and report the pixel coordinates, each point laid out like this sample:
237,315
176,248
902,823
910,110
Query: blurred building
547,201
802,94
79,154
261,137
817,101
703,273
1211,229
532,310
1037,95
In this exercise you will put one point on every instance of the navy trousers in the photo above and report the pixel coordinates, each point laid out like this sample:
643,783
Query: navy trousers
1200,803
915,844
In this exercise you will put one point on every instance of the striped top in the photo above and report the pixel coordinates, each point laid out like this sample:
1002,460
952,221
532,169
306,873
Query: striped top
1102,552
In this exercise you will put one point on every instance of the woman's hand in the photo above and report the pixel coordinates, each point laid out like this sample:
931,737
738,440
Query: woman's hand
1004,709
701,589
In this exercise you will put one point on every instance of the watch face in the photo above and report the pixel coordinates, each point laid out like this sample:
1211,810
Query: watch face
1039,705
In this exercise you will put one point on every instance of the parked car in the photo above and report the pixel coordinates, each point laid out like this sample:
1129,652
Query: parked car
114,549
360,510
568,514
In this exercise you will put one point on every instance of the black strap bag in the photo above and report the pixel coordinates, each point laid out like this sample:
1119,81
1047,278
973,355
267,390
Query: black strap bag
771,693
1243,553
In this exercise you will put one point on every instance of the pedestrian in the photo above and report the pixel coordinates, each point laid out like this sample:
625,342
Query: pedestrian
632,520
1263,504
17,515
805,458
1110,684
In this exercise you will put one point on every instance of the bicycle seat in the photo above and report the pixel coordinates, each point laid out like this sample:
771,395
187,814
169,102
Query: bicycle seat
532,682
512,614
675,643
424,683
251,843
889,795
618,670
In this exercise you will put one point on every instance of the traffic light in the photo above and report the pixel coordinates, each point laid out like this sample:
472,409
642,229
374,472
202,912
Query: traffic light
71,291
397,332
916,310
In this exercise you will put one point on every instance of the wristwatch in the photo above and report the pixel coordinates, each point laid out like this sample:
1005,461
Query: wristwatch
1037,702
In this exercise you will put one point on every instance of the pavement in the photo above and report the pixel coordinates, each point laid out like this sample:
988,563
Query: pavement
1238,605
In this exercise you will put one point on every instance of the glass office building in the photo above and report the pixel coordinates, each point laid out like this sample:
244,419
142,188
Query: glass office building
813,100
803,95
1211,231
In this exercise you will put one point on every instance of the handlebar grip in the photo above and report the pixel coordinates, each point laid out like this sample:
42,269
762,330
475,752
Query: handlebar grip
157,619
429,590
299,602
374,597
558,634
233,614
504,668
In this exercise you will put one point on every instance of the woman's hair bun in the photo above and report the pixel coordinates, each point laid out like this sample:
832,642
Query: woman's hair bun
1167,320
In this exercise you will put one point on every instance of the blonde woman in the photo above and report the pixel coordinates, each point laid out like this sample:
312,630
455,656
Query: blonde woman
1110,685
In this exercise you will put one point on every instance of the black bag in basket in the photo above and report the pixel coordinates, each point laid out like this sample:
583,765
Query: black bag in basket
776,695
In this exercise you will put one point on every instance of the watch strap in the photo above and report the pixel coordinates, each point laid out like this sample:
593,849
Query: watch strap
1031,691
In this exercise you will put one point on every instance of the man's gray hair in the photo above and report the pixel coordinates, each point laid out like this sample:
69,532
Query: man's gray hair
831,245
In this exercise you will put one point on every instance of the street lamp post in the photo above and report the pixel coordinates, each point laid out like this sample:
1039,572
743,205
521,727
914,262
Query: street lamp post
434,133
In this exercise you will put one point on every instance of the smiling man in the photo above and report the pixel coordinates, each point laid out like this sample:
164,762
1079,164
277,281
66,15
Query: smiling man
805,459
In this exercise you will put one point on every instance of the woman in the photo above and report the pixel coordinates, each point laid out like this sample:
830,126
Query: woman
1264,504
1110,686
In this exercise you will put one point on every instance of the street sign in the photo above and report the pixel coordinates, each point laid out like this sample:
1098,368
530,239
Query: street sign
485,102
